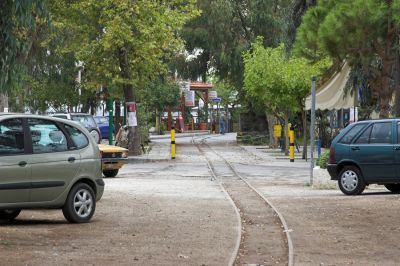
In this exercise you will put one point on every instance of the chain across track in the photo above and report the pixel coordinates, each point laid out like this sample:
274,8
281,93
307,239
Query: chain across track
263,235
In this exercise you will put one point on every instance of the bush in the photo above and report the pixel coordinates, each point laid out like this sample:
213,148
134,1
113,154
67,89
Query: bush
323,159
251,139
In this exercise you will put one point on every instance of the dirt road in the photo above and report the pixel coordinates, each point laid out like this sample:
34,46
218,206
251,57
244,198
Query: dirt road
170,213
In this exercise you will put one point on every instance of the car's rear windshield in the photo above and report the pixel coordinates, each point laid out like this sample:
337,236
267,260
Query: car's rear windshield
349,135
85,120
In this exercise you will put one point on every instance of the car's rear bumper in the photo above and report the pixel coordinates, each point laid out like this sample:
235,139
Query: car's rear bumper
332,170
112,163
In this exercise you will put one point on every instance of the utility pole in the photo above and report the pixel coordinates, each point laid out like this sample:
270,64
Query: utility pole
312,128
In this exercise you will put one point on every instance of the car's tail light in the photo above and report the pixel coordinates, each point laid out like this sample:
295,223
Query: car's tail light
332,156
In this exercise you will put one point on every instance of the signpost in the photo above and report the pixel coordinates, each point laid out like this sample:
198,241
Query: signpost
212,94
216,100
189,98
110,108
312,127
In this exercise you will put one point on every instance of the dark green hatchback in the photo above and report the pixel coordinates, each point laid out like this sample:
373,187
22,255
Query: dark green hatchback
366,152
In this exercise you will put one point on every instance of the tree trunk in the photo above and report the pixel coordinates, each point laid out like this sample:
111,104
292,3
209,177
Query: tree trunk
158,122
286,133
117,115
3,102
385,93
388,60
397,85
130,96
169,121
272,139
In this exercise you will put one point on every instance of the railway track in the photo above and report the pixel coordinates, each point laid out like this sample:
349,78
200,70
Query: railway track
263,235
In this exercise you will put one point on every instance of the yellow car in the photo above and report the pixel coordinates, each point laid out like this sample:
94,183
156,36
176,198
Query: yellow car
112,159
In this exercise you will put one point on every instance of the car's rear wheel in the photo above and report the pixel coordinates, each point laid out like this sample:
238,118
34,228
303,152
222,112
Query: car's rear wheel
96,135
9,214
395,188
351,181
110,173
80,204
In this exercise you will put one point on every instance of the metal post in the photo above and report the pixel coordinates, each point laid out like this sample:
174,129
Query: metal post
312,128
124,113
173,147
319,148
110,108
291,147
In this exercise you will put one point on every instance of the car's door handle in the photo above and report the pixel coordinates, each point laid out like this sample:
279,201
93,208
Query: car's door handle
22,163
355,148
71,159
396,148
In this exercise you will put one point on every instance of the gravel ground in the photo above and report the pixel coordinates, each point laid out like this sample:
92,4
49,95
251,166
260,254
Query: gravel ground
170,213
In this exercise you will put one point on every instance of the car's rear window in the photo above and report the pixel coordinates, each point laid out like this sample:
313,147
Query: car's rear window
11,137
376,133
77,137
381,133
46,136
349,135
85,120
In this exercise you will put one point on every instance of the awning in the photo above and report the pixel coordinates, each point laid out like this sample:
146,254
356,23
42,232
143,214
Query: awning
331,94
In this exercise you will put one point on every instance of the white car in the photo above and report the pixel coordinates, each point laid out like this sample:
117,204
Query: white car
85,120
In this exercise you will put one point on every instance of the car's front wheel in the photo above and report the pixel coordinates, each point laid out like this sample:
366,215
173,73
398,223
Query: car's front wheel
9,214
80,204
395,188
110,173
351,181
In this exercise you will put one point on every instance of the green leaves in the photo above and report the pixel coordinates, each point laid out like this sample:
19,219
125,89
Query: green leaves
161,93
17,20
146,30
362,32
280,83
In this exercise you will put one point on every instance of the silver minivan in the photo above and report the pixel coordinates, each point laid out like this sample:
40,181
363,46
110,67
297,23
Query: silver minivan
48,162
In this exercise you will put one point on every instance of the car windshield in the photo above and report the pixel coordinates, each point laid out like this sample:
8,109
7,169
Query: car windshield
85,120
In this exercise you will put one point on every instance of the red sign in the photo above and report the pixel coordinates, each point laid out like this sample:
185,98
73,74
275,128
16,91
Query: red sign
131,106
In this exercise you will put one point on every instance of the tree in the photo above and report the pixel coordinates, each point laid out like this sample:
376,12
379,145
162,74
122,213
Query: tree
225,30
124,43
281,84
229,96
293,18
364,33
160,94
17,22
45,73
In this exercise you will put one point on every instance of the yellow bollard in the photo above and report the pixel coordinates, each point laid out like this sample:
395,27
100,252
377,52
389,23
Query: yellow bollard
173,147
291,147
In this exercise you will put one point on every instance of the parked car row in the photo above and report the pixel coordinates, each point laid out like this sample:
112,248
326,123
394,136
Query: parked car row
85,120
113,157
54,162
103,124
48,163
